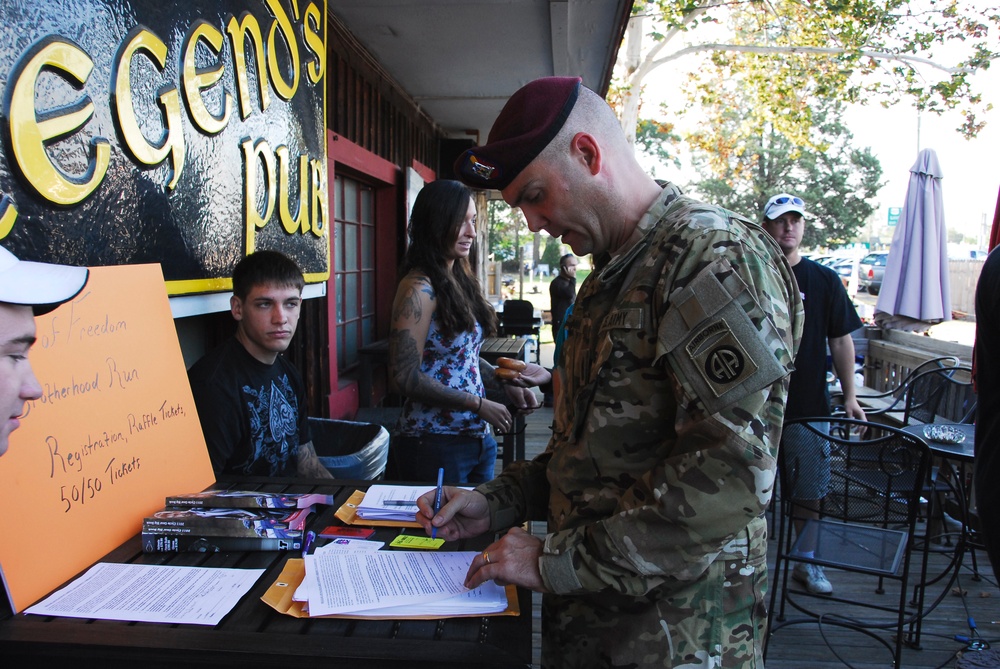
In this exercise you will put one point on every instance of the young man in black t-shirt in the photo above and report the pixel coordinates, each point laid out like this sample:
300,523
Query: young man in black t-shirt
830,320
250,399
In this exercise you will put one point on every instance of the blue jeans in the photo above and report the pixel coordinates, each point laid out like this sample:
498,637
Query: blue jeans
465,458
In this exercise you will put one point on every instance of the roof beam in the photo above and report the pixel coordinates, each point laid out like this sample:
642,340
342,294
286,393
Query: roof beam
559,27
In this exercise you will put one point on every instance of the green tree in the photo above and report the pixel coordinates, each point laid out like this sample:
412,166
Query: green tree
793,52
503,223
836,180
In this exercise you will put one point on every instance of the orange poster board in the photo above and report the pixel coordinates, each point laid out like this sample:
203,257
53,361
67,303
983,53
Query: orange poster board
115,431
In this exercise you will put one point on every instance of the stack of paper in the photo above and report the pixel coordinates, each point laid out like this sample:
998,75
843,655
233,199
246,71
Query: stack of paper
391,502
356,582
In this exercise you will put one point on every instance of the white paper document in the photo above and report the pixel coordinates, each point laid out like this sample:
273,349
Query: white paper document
340,544
397,583
388,502
150,594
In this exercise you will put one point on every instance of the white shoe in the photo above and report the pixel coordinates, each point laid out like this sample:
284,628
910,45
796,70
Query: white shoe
953,525
812,576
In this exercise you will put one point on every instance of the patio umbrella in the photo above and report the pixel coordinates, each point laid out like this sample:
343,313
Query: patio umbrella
915,288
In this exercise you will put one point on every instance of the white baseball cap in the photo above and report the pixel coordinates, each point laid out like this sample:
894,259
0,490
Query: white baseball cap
41,286
782,203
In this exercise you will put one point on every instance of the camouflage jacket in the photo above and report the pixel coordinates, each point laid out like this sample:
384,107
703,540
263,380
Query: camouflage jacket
664,448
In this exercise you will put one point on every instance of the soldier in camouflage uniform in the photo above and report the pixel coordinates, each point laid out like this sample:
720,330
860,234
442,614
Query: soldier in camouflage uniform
664,449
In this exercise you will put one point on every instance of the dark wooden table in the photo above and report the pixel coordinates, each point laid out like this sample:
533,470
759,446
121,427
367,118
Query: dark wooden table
511,443
255,635
502,347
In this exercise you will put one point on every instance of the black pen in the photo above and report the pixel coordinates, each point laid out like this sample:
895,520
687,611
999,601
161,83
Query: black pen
437,500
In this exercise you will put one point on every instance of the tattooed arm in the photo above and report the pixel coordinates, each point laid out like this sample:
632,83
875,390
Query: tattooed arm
308,463
411,321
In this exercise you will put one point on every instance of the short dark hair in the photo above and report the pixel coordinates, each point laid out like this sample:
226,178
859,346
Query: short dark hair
266,268
563,259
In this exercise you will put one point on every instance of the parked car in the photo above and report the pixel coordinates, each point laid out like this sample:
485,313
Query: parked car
843,267
965,254
821,259
871,270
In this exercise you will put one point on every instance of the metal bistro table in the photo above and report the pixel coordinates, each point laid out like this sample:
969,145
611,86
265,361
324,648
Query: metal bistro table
963,452
955,456
255,635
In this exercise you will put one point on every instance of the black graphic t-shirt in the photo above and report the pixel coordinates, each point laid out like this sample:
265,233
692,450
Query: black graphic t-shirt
250,412
829,313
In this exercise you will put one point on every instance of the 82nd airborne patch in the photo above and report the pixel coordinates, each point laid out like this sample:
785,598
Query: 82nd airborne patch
720,358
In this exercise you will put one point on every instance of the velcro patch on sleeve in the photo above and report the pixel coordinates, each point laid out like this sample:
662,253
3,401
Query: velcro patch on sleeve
718,340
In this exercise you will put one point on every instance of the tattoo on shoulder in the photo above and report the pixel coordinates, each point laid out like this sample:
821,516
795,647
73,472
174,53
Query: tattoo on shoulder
424,286
409,306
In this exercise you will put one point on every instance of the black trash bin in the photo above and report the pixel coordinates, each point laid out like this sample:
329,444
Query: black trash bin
350,450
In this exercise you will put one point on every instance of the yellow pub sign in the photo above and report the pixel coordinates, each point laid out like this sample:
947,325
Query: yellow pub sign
182,132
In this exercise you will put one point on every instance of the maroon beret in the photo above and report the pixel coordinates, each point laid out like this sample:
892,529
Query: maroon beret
527,123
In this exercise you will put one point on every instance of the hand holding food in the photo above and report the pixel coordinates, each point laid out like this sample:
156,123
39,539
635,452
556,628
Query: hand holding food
509,369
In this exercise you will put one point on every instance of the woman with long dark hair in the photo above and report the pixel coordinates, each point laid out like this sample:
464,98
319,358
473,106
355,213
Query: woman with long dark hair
439,320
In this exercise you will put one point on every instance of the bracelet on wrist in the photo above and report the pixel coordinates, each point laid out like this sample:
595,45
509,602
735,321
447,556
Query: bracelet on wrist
480,406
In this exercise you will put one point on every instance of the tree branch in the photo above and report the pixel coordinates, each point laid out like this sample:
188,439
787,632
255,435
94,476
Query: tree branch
750,48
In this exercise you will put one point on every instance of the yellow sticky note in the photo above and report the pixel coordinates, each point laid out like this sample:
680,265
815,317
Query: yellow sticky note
411,541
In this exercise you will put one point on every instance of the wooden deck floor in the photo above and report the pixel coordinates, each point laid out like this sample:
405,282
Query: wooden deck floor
807,647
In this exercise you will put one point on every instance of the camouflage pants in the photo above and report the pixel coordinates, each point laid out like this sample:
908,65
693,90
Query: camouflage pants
718,621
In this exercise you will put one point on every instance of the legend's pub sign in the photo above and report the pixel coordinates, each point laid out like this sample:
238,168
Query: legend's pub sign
182,132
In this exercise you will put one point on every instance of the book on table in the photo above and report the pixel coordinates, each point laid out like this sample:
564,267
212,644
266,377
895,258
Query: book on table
248,499
262,523
153,542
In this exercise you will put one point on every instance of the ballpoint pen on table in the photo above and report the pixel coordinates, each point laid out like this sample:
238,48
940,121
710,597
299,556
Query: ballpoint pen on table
437,499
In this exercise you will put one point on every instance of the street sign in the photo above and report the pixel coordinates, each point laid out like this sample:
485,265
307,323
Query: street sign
894,213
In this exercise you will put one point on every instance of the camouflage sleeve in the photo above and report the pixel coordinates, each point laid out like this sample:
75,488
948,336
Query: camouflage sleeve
726,340
519,494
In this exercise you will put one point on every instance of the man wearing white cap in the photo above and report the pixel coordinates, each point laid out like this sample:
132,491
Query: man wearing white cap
830,320
27,289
